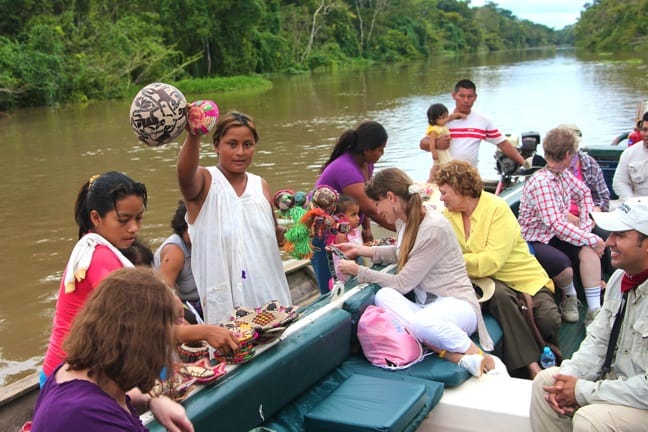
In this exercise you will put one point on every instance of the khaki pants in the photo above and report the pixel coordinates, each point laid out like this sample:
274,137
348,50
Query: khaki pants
596,417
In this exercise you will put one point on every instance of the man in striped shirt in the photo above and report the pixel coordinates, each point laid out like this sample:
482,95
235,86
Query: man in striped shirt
468,133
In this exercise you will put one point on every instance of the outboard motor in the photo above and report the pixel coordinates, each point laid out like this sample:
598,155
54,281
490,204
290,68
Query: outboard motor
508,167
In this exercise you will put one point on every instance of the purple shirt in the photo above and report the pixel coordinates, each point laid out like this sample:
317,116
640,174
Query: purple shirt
80,405
342,172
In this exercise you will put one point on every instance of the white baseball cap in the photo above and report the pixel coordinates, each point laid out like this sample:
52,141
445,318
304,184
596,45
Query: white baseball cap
632,214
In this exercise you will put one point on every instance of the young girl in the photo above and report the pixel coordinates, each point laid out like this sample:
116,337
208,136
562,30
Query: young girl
109,211
235,256
348,211
438,117
445,310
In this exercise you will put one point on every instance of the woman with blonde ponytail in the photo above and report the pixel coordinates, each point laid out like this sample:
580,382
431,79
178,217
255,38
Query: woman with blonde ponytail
445,310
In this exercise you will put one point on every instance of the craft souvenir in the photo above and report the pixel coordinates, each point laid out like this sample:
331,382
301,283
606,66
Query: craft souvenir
246,335
158,113
176,388
193,352
269,320
201,121
202,371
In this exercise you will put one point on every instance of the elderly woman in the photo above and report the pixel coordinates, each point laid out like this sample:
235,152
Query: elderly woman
492,246
445,310
559,240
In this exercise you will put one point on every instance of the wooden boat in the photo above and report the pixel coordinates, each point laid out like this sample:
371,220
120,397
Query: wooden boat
318,353
17,399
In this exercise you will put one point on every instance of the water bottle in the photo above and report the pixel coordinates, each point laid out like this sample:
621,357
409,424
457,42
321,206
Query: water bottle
547,358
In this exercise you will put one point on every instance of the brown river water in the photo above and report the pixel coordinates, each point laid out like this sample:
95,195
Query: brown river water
47,153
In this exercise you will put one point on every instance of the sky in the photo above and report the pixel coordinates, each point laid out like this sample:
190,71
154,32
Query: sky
552,13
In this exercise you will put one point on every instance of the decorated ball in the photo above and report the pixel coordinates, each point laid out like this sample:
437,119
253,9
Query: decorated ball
202,117
158,113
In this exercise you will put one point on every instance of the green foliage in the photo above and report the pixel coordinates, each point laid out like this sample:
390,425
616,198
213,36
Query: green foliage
220,85
613,26
53,51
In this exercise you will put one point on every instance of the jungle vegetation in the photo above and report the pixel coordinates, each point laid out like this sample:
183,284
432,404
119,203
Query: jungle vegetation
55,51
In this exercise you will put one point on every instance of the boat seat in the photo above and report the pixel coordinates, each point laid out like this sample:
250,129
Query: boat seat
255,391
364,404
431,367
292,417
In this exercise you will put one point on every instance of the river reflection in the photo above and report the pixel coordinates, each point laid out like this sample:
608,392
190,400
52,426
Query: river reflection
48,153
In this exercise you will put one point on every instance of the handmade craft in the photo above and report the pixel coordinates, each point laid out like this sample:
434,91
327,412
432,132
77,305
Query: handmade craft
202,371
269,320
193,352
201,121
246,336
158,113
176,388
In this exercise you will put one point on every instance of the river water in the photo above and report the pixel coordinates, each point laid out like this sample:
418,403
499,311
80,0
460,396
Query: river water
47,153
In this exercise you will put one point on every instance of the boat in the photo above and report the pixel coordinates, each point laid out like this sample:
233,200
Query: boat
300,372
17,399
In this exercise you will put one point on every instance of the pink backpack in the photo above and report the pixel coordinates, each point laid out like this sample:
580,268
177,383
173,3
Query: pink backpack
385,341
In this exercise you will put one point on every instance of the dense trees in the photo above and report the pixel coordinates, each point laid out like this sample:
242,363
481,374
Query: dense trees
54,51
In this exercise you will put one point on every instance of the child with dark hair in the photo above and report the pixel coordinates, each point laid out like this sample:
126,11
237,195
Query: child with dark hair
347,209
139,253
173,261
438,115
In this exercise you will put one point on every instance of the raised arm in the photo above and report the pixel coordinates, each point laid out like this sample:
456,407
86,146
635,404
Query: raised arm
509,150
280,230
192,178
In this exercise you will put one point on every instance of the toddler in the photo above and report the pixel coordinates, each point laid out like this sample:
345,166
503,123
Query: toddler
438,116
347,211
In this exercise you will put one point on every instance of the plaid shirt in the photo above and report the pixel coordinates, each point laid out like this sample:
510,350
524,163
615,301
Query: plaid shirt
544,206
593,178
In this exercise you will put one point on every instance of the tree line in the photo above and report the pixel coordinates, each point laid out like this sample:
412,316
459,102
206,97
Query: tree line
55,51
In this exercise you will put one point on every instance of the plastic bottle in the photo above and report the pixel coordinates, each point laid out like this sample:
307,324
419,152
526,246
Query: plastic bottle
547,358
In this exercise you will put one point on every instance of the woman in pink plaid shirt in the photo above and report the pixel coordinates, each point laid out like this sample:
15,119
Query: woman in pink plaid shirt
560,243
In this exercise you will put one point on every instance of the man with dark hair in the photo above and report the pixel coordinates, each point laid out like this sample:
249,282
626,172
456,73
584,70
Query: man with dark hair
631,175
468,133
604,386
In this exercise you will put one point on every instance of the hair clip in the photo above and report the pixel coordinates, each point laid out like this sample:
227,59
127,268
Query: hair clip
92,180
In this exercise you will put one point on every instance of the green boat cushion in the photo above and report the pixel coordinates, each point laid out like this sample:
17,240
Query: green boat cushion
256,390
291,417
365,404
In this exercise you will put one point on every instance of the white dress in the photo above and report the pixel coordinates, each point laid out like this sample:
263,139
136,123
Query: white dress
235,258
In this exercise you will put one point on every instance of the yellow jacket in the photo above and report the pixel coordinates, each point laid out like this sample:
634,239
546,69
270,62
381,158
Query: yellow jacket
495,247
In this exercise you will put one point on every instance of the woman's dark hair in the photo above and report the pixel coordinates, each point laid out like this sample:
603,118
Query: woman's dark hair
178,222
101,193
368,135
234,119
435,112
124,331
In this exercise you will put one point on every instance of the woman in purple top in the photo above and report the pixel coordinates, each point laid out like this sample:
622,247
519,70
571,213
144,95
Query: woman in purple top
347,170
122,338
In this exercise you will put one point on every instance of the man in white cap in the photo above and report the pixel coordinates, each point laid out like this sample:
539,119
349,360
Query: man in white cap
604,386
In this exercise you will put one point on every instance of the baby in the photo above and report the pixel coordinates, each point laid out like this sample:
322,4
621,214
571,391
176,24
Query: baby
438,116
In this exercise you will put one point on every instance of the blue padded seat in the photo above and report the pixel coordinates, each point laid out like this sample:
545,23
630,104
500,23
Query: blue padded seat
364,404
